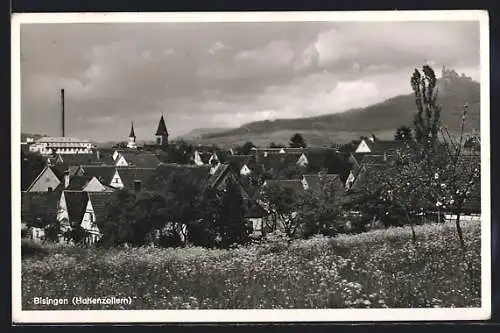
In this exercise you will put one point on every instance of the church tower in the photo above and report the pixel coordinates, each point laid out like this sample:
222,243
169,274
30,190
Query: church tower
131,138
162,133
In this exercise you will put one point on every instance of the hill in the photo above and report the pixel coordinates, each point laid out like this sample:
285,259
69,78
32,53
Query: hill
199,133
381,118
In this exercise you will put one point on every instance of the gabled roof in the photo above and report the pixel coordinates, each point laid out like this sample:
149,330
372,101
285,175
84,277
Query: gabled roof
78,159
223,155
77,183
204,155
279,161
76,203
162,128
39,204
140,159
130,174
294,184
316,181
168,171
238,161
104,173
380,146
219,174
358,159
30,170
362,174
59,174
59,170
99,200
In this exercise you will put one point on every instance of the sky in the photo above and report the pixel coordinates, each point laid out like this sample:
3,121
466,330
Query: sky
207,75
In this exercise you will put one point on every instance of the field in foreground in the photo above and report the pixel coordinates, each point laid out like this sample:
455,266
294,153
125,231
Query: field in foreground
374,269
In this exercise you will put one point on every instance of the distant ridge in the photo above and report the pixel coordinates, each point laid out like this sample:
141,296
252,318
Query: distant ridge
388,115
199,133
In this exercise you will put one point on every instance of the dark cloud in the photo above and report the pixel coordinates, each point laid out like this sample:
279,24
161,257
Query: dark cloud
223,74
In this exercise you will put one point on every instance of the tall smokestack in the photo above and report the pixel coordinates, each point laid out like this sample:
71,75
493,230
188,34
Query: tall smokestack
62,110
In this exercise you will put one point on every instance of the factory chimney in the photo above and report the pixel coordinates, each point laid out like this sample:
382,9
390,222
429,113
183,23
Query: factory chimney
62,110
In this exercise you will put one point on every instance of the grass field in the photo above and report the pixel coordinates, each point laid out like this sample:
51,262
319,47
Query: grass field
370,270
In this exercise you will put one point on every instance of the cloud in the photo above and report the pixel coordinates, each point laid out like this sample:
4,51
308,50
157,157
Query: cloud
225,74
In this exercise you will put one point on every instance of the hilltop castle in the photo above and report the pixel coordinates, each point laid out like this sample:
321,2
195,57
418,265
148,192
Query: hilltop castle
450,74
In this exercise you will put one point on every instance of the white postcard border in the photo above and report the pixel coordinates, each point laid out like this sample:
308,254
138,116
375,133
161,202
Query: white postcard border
297,315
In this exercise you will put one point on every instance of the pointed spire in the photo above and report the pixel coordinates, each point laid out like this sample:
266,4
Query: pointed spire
162,128
132,133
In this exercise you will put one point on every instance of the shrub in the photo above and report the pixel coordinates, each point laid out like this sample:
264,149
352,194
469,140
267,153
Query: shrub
30,248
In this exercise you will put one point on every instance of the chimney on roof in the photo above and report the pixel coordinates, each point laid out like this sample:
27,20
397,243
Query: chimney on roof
66,179
62,113
137,186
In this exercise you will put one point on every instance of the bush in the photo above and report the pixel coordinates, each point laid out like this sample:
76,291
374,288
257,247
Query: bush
170,238
30,248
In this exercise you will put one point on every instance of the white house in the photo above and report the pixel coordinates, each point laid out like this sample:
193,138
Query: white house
62,145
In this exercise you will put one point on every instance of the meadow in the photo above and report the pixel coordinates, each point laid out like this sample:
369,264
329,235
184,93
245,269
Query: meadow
376,269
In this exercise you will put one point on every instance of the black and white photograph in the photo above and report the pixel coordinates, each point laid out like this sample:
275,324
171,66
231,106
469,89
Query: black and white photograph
261,167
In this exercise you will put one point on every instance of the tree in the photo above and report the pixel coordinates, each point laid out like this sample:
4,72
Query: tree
232,227
282,203
131,217
275,145
455,180
393,188
297,141
427,118
319,211
403,133
203,230
245,148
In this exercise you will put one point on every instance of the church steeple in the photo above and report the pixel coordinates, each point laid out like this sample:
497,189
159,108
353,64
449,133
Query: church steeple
162,133
131,138
132,133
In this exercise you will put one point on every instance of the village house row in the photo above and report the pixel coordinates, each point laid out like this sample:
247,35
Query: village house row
76,179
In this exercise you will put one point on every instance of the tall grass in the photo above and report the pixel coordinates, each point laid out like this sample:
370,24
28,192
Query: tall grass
375,269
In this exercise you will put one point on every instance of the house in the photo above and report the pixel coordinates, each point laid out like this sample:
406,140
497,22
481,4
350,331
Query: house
362,168
255,213
379,146
242,164
61,145
78,159
87,183
204,157
357,160
295,184
80,208
39,209
131,178
280,160
315,182
137,159
103,173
